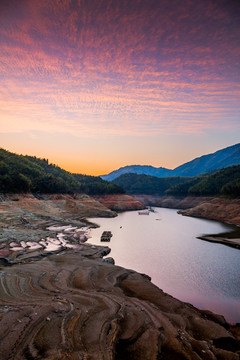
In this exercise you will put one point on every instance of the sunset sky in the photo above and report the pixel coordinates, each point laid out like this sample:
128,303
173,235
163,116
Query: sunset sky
93,85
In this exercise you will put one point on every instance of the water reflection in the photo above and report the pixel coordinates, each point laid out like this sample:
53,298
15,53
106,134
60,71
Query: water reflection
163,245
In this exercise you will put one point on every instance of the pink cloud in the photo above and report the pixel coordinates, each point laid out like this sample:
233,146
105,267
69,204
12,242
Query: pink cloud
91,66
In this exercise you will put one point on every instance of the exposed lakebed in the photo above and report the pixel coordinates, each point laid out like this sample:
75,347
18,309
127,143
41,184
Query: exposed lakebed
164,245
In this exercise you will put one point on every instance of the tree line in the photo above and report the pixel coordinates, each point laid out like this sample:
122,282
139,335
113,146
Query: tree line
224,182
19,173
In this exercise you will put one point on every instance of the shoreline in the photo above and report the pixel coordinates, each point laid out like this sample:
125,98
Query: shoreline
110,306
212,208
131,242
226,211
220,240
75,289
231,238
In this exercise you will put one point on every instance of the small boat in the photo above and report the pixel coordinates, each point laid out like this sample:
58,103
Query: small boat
144,212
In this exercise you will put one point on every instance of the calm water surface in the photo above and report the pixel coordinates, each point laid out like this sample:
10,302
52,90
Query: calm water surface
164,245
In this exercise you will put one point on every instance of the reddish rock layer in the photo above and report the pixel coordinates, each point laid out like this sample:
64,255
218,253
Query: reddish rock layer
224,210
56,205
171,202
120,202
220,209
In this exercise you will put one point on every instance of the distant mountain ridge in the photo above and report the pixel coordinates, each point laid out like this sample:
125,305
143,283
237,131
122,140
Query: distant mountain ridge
138,169
224,182
215,161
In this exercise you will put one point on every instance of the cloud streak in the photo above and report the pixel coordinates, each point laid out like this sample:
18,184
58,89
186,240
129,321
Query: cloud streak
119,67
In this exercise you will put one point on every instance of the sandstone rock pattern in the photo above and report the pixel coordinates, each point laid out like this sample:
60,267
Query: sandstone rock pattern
74,306
219,209
224,210
120,202
71,303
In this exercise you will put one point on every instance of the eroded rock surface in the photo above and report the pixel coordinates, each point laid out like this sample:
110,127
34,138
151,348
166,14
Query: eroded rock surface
56,205
224,210
172,202
68,306
70,303
219,209
120,202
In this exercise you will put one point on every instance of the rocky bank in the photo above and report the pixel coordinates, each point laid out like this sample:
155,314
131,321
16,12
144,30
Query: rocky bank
120,202
224,210
219,209
61,299
26,217
72,305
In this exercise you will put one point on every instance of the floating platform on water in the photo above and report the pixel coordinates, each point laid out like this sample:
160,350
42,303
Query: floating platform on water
144,212
106,236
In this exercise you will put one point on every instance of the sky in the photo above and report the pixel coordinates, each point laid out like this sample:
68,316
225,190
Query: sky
94,85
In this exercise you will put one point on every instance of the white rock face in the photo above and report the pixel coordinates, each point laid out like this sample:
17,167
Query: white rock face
58,228
67,237
13,244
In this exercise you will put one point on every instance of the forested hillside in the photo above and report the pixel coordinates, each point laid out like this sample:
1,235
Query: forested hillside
146,184
224,182
20,173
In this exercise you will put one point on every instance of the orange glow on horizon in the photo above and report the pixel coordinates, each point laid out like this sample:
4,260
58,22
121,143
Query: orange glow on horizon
96,85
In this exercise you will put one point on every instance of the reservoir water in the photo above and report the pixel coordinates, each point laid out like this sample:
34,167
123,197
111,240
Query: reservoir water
164,245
